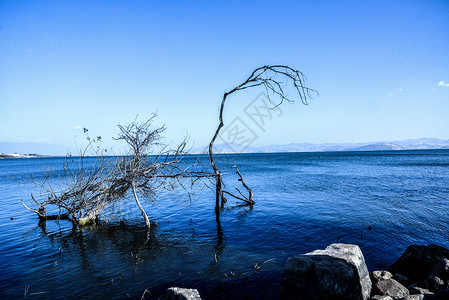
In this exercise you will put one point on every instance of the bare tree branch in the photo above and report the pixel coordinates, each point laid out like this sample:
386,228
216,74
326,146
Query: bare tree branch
272,78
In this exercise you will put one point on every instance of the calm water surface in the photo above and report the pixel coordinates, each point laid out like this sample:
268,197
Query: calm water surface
382,201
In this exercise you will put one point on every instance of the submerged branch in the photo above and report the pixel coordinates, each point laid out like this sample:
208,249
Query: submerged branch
39,213
250,199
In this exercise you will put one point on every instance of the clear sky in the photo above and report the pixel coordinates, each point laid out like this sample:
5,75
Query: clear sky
381,67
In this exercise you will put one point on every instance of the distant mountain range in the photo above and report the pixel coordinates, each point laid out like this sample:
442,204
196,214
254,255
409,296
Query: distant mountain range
412,144
417,144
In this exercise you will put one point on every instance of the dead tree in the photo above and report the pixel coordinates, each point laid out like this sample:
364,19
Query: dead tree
274,79
148,167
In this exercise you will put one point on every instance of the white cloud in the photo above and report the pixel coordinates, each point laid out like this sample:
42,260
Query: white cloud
441,83
78,127
399,91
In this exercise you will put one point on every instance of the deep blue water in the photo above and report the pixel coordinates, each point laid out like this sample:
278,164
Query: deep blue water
381,201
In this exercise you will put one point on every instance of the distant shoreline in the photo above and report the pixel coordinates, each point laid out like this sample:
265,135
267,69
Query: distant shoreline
18,156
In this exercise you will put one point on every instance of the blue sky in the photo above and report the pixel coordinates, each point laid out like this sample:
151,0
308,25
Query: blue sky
381,68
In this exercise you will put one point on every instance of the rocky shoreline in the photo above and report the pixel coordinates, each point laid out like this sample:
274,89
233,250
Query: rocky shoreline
340,272
422,272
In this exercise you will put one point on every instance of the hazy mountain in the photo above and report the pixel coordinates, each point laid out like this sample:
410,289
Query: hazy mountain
411,144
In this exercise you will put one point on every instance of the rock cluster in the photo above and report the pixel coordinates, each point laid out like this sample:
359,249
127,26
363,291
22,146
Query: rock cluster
422,272
340,272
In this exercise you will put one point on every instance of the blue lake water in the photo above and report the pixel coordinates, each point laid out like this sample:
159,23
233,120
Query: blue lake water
381,201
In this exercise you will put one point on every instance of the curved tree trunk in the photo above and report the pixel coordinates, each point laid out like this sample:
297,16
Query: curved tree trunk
261,77
147,221
218,178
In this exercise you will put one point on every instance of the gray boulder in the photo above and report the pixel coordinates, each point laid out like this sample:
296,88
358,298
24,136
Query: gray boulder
415,297
417,261
381,297
338,272
419,290
176,293
390,287
438,277
418,284
380,275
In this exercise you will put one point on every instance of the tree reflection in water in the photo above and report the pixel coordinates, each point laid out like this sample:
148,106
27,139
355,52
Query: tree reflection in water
120,260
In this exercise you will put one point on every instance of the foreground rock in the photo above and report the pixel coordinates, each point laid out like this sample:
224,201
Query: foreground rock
417,261
390,287
338,272
438,276
402,279
385,286
440,295
381,297
423,269
415,297
176,293
377,276
417,290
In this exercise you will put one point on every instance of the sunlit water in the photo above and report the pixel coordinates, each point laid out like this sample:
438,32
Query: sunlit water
381,201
